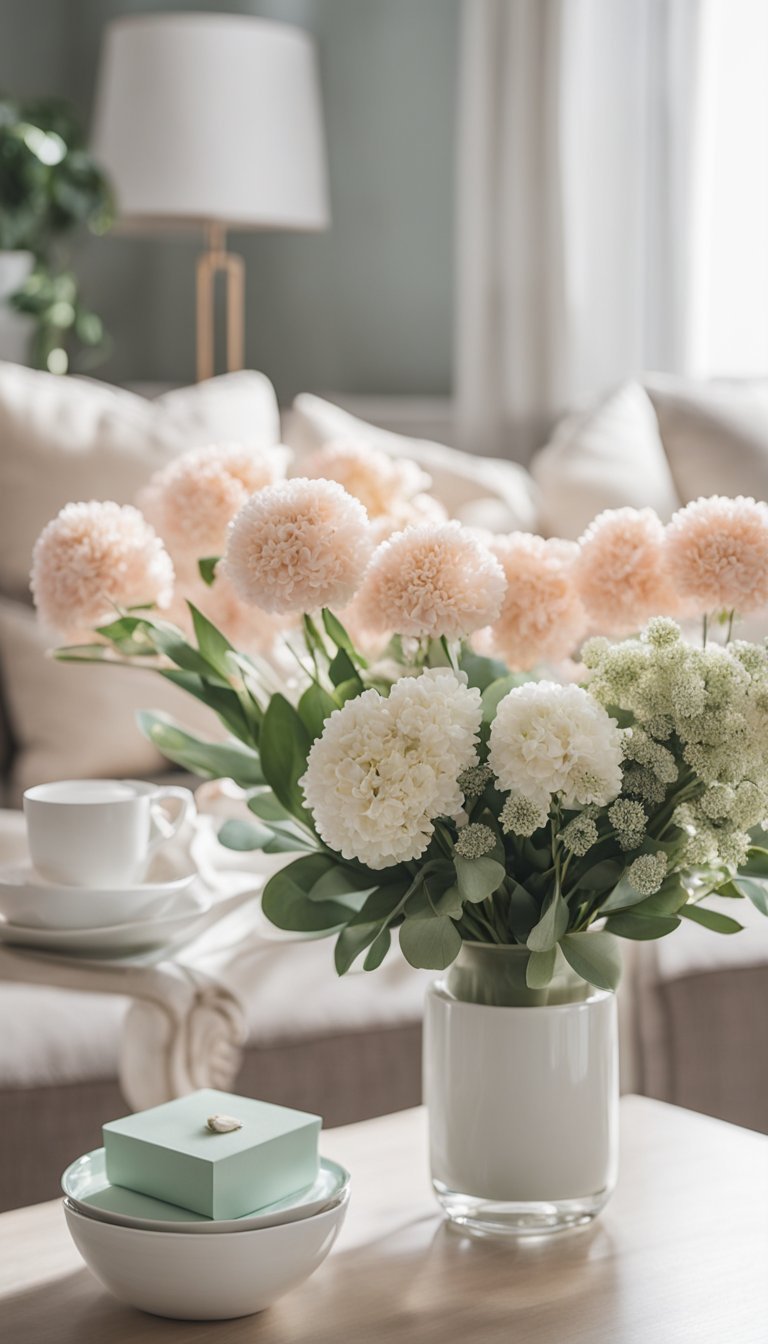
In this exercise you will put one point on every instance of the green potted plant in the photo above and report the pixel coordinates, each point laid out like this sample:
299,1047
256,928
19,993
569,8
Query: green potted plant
49,185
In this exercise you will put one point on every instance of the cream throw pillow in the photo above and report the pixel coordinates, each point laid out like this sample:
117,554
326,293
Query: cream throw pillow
79,722
604,458
715,434
65,439
480,491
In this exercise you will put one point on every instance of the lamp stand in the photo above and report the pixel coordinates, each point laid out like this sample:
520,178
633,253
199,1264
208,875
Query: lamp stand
216,260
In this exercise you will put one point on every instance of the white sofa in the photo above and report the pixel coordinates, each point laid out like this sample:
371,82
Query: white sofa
691,1032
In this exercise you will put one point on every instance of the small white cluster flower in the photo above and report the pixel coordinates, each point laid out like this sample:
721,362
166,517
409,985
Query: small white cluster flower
647,872
386,767
472,782
629,820
580,834
522,816
474,841
700,715
556,741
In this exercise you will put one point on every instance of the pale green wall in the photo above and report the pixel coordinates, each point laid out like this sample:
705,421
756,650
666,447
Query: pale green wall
363,308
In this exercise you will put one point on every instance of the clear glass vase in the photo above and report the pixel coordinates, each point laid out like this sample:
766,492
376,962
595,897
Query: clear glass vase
521,1088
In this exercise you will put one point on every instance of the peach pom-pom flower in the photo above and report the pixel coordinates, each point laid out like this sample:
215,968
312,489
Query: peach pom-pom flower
431,581
192,501
381,483
716,553
298,546
542,618
620,573
93,557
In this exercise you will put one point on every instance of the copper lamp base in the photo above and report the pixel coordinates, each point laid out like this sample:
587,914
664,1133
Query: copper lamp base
215,261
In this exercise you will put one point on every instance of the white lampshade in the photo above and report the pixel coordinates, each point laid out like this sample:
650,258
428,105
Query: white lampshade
212,118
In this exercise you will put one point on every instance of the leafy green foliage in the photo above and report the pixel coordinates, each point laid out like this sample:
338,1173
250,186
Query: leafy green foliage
211,760
49,186
593,956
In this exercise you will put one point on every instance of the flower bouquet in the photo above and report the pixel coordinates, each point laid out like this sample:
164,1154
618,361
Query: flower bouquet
428,779
415,742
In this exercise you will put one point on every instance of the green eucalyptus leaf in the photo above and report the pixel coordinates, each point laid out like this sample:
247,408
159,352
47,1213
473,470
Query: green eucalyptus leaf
755,891
336,632
223,701
600,876
242,835
477,879
207,568
211,760
340,882
431,944
286,901
378,950
595,957
482,672
540,968
315,707
351,942
523,911
711,919
642,928
552,924
284,746
212,644
342,669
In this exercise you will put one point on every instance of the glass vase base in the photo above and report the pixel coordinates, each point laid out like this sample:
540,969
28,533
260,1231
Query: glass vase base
514,1219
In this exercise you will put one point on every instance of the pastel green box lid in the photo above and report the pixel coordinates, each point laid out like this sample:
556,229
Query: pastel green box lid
170,1153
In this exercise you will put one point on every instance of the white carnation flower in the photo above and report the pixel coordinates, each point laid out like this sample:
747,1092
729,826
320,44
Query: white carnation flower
385,768
548,739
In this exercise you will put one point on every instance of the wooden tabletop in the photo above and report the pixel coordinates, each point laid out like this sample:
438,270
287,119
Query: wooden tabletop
679,1255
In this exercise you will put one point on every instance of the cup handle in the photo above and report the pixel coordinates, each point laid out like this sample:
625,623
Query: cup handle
167,826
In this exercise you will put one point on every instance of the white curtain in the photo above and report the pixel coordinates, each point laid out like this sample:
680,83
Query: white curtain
576,199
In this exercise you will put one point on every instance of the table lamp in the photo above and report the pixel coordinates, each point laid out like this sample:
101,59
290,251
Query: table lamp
212,121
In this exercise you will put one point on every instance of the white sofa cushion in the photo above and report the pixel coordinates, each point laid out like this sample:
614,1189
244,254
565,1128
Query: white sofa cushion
65,439
68,720
715,434
606,457
480,491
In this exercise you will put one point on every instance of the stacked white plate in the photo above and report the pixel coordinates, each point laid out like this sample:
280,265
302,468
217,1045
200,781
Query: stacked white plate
171,1262
166,909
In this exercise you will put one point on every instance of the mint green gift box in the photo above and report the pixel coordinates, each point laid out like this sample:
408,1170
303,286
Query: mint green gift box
169,1153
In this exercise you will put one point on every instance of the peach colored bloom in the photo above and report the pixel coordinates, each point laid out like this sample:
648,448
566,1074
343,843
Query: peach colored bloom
431,581
408,513
619,571
542,618
91,558
379,481
716,553
297,546
192,501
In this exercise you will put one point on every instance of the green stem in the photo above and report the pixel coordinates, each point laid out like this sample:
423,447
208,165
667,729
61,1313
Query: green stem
731,618
704,629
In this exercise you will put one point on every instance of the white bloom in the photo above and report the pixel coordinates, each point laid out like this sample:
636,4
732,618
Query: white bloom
385,768
548,739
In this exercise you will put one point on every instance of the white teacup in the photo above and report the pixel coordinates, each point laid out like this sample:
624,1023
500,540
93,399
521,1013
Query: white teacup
100,832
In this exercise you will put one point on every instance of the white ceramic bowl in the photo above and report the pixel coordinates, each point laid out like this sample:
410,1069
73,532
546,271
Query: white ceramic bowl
29,900
204,1278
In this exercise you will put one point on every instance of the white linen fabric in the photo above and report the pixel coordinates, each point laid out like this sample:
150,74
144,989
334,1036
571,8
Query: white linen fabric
576,206
480,492
65,439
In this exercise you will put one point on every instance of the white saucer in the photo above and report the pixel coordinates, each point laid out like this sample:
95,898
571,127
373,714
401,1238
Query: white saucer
27,900
140,935
85,1184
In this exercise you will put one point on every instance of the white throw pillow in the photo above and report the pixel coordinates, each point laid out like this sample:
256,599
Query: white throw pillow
65,439
80,721
480,491
715,434
604,458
